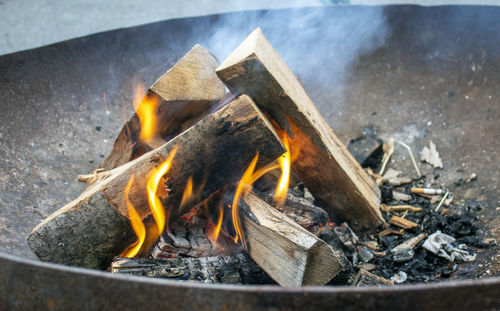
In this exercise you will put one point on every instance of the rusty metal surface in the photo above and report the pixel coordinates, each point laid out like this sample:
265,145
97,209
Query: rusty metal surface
36,286
436,76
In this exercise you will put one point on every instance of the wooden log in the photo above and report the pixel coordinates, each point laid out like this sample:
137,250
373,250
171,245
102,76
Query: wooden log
325,166
238,269
291,255
185,94
89,231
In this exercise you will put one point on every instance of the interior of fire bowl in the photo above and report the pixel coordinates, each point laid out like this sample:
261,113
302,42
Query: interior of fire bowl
413,73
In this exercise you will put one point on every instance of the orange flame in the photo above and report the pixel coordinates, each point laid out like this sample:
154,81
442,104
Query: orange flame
243,188
137,225
214,232
145,106
152,186
188,192
285,163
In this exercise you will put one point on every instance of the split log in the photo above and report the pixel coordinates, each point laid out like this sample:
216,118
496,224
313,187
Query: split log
291,255
94,228
239,269
325,166
185,94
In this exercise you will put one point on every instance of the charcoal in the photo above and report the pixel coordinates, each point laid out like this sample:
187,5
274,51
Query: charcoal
386,193
365,254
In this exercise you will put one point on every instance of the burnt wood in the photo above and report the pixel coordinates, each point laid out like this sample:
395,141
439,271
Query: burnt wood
90,230
238,269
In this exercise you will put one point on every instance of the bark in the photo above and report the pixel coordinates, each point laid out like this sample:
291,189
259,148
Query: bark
185,94
90,230
324,165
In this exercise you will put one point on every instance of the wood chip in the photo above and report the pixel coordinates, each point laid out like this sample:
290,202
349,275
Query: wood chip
411,243
431,156
387,232
397,181
365,278
400,208
402,223
398,196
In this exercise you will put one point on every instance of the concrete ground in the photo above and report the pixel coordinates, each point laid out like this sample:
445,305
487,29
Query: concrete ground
26,24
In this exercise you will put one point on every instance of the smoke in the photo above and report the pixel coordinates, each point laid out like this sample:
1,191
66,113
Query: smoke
319,44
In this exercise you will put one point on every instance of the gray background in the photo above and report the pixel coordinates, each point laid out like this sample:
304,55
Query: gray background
26,24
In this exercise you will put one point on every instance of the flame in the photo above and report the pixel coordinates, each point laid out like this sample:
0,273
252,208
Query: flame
188,192
137,225
243,188
152,186
145,106
285,163
214,232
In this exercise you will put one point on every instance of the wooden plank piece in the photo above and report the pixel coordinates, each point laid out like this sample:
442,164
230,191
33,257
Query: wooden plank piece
90,230
290,254
185,94
325,166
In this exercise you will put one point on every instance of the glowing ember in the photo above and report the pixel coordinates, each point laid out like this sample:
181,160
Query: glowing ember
137,225
145,107
152,186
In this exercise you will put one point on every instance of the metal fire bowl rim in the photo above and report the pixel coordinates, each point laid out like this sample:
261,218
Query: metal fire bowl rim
97,274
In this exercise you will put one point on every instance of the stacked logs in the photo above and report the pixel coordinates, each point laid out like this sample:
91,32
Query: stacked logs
216,137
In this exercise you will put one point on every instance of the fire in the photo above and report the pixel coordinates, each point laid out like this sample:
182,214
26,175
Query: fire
188,192
243,188
214,232
145,106
152,186
137,225
285,163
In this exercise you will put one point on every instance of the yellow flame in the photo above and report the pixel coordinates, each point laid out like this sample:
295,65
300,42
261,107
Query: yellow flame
214,233
145,106
188,192
284,163
137,225
152,186
243,188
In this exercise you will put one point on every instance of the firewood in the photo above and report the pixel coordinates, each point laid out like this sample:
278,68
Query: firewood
189,236
94,228
238,269
325,166
365,278
308,216
291,255
185,94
